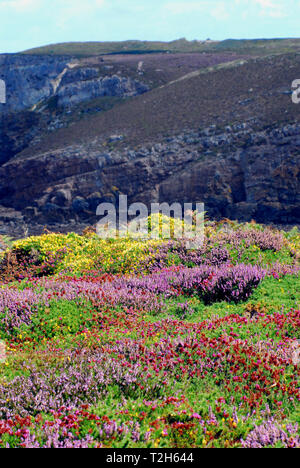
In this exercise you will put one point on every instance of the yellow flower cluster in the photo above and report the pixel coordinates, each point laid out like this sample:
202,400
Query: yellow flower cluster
86,252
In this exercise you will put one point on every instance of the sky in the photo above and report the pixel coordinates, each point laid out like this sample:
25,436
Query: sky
26,24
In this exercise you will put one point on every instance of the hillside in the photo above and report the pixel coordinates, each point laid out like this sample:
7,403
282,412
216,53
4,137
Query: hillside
234,92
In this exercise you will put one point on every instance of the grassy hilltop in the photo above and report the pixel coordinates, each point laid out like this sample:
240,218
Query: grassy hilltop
255,47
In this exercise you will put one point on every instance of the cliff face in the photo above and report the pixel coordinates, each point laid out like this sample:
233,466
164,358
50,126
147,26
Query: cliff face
42,93
227,136
31,80
28,79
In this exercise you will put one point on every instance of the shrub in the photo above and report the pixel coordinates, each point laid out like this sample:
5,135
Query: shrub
212,284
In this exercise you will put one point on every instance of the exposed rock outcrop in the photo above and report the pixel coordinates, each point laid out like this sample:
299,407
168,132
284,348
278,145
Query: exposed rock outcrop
42,92
237,173
31,80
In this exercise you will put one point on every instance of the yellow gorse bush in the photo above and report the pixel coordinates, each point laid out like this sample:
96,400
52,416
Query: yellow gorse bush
86,252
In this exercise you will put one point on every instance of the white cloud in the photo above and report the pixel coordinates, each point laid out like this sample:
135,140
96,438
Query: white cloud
267,8
67,10
220,11
177,8
55,5
272,8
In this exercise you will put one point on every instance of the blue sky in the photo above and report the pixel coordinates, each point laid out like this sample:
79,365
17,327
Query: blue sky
30,23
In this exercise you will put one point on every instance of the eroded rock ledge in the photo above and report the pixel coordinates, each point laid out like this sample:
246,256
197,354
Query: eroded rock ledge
236,171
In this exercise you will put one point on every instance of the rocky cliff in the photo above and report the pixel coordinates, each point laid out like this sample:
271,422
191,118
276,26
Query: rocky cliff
228,136
238,173
42,94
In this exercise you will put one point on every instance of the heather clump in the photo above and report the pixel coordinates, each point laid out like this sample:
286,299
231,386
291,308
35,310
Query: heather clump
212,284
264,240
270,434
